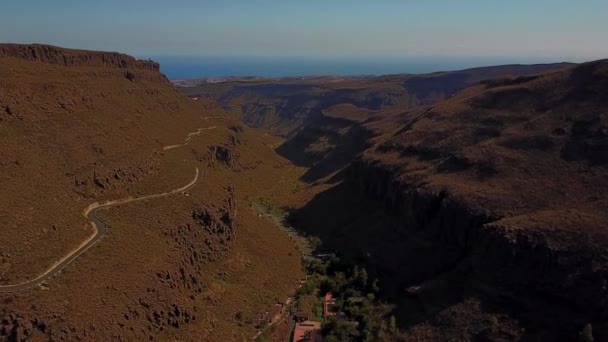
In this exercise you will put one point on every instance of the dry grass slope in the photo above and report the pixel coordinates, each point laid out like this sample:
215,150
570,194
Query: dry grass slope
79,127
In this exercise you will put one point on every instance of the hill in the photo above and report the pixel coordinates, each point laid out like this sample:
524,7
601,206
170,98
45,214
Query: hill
81,127
482,214
441,85
474,197
284,106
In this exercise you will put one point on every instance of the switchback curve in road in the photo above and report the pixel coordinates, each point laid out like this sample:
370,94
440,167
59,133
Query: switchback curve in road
187,141
100,229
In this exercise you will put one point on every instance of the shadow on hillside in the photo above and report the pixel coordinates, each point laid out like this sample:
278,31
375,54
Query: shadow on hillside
361,232
325,146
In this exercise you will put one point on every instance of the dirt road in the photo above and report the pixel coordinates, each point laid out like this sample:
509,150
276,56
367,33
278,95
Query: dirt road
100,229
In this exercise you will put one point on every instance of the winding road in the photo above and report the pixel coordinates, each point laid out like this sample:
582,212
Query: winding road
100,229
190,135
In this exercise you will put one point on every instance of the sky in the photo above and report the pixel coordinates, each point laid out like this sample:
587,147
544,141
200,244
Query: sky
319,28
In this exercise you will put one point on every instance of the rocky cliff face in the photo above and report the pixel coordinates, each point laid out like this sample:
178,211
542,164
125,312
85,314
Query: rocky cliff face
488,179
456,271
70,57
521,265
475,215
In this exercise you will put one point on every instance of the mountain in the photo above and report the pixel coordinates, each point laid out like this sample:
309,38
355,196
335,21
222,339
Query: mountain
483,215
430,88
322,116
131,211
125,205
284,105
475,197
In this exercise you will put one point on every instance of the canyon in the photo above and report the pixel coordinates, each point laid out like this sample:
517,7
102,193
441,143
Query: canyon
475,197
479,210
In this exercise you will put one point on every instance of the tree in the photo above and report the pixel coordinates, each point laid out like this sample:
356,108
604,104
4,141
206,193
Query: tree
314,242
308,287
368,336
356,273
331,338
375,286
586,335
335,284
338,329
317,311
317,267
362,278
392,325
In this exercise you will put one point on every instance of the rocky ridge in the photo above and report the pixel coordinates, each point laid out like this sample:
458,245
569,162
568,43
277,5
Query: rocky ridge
70,57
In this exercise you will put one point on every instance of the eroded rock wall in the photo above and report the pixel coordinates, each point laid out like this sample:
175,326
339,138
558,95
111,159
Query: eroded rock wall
533,271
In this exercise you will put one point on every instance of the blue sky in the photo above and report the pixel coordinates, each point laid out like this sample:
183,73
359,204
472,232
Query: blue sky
314,27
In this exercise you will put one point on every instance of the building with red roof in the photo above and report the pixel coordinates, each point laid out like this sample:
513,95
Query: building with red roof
307,331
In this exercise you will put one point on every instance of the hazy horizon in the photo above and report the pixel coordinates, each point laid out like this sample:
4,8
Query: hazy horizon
315,28
191,67
193,39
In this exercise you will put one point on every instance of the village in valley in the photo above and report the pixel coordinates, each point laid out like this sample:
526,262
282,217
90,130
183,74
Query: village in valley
336,302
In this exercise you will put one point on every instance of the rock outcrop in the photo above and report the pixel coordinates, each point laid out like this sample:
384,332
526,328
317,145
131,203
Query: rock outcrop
206,237
70,57
567,268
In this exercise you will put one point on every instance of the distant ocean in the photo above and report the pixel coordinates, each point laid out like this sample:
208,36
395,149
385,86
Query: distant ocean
199,67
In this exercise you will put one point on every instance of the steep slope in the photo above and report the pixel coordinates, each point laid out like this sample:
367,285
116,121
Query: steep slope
483,215
438,86
545,134
79,127
73,134
71,57
330,142
322,117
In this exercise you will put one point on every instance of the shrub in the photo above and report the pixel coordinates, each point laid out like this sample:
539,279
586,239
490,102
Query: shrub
586,335
308,287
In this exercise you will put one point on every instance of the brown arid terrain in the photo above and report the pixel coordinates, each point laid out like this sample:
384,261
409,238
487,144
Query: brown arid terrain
483,215
285,106
323,116
79,127
475,198
480,210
